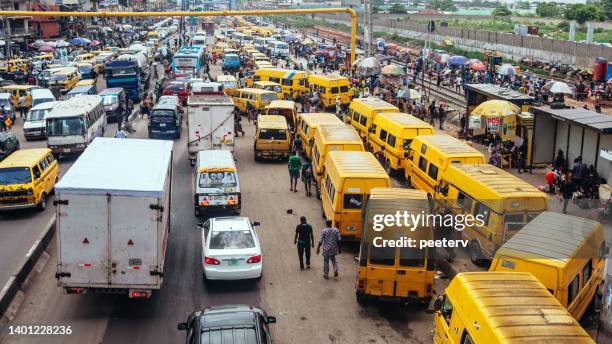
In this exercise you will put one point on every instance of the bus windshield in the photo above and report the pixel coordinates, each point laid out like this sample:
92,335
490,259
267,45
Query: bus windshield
15,175
36,115
110,99
268,97
67,126
114,72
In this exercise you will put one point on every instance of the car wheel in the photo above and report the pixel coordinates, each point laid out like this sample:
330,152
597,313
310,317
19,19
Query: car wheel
197,213
43,202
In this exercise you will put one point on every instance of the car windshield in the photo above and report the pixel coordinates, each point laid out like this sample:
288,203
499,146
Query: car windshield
36,115
162,113
67,126
85,69
58,78
175,87
122,71
5,102
41,101
72,95
217,179
268,97
15,175
110,99
228,240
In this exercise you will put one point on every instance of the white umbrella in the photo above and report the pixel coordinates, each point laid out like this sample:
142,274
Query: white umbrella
61,44
506,69
557,87
369,66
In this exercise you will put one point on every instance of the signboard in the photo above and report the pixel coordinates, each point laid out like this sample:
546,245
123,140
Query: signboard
107,3
493,124
184,62
475,122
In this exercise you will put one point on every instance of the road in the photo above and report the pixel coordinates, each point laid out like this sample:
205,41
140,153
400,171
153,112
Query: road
301,300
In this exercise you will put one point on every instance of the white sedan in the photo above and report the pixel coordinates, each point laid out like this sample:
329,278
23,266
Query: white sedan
230,249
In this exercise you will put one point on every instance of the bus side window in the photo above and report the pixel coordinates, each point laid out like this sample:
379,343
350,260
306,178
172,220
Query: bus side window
36,171
586,272
447,310
465,338
572,290
423,164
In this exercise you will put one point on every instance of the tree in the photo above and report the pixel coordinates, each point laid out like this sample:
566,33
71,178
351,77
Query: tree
397,9
442,5
523,5
501,11
584,12
606,6
548,9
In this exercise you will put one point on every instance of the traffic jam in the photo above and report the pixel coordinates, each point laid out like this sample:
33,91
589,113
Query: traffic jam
112,139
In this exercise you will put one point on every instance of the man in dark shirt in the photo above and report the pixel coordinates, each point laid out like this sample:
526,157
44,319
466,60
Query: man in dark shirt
304,240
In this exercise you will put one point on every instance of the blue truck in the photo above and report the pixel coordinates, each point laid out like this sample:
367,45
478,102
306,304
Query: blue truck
130,72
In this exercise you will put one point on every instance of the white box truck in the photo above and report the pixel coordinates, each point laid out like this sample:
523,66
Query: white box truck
113,218
210,121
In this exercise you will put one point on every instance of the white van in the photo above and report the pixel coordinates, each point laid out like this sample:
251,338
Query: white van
199,40
278,48
216,182
35,125
41,95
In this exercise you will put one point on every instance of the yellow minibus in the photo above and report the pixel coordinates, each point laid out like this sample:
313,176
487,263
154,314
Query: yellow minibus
330,87
292,81
402,274
566,253
307,126
362,112
498,307
347,181
393,132
259,99
272,138
430,155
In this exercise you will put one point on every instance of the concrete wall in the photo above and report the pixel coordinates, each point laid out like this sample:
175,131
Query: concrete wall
513,46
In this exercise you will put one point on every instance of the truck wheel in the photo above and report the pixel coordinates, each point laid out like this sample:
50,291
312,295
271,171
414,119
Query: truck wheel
361,300
43,202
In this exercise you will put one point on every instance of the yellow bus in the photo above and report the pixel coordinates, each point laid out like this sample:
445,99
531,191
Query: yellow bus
393,132
307,126
331,87
229,82
363,111
334,137
269,86
18,91
503,202
430,155
259,99
272,138
400,274
566,253
29,176
498,307
347,181
292,81
285,108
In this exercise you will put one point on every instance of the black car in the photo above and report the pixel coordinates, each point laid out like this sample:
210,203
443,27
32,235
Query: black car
228,324
8,144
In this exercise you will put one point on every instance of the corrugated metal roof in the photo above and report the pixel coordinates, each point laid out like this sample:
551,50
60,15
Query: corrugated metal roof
582,117
357,164
497,179
404,119
338,132
448,145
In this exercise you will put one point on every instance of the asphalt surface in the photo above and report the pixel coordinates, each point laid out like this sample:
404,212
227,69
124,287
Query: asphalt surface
309,309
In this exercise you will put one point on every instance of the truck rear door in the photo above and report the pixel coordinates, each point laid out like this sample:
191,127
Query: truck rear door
83,240
134,240
199,128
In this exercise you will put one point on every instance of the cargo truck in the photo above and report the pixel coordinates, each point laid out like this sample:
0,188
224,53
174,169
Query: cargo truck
113,218
130,72
210,120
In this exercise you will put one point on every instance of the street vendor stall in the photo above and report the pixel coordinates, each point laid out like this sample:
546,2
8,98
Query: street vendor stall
494,118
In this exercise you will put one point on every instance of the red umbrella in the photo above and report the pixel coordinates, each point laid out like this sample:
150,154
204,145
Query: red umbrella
478,66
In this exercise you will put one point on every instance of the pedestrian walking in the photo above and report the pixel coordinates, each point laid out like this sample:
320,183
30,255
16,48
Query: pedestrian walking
22,106
238,125
304,239
441,115
567,190
294,165
330,241
432,112
307,177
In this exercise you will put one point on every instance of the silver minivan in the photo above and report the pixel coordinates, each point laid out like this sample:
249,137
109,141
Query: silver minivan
216,182
35,124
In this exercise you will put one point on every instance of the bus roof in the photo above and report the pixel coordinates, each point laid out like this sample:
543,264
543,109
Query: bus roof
272,122
266,83
373,103
551,238
225,78
190,50
404,120
216,160
328,77
353,164
281,104
75,106
513,308
448,145
255,90
315,119
24,157
333,133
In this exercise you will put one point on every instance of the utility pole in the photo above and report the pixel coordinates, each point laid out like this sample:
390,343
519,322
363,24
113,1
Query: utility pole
7,38
367,27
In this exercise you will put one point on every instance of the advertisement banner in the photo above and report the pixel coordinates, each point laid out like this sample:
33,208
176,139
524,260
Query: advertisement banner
493,124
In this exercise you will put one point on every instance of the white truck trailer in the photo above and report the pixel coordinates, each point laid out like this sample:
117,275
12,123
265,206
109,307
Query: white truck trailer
113,218
210,121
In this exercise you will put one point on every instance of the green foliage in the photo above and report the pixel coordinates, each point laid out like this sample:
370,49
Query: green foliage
606,6
442,5
501,11
564,25
523,5
397,9
584,12
548,9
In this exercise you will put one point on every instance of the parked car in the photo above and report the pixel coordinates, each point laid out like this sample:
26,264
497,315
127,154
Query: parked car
228,324
5,99
230,249
8,144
